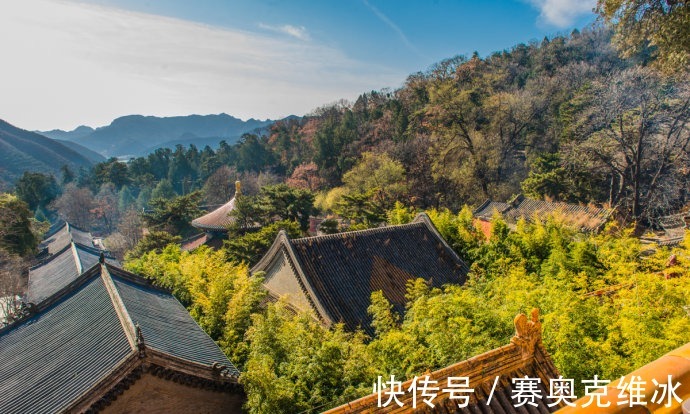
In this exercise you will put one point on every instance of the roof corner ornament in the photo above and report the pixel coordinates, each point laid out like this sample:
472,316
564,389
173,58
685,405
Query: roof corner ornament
527,332
101,258
139,341
238,188
220,369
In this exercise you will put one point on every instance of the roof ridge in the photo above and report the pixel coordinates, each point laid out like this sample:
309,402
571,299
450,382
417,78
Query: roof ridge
483,205
93,249
130,330
358,232
77,259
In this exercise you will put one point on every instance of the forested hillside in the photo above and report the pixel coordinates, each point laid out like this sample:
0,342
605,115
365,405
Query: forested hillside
563,119
22,151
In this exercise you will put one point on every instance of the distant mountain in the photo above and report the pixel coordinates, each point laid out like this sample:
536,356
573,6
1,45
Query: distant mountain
22,150
59,134
136,134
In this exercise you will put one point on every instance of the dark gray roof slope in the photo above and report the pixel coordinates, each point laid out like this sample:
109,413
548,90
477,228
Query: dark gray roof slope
61,269
342,270
166,324
486,210
54,357
78,339
62,236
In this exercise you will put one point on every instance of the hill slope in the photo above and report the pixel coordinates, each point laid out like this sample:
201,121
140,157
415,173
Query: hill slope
92,156
22,150
137,134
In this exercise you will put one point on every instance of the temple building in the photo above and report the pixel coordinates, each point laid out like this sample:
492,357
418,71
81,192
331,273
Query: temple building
64,254
111,342
334,275
489,381
668,230
583,218
214,224
62,235
62,268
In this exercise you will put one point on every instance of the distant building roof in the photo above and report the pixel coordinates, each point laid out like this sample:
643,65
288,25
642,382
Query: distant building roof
219,219
586,218
81,347
202,239
671,230
62,235
336,274
524,356
61,269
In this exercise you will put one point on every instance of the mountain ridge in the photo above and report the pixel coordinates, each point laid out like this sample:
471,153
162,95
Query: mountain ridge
133,135
22,150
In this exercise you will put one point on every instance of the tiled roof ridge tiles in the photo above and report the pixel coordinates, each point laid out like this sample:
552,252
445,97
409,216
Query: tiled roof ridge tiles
345,234
90,249
132,332
481,206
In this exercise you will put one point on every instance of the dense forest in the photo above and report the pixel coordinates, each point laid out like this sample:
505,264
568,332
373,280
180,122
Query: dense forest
562,119
568,118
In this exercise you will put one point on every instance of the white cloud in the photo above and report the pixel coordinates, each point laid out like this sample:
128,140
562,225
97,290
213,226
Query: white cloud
563,13
298,32
67,63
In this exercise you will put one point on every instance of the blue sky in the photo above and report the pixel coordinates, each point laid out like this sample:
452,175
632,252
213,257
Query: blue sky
88,62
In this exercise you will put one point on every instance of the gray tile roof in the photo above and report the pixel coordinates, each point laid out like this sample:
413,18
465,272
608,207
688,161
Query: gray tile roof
163,319
78,336
60,237
486,210
61,269
342,270
51,359
218,219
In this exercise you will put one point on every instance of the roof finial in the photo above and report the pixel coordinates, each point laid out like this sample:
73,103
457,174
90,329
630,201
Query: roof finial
101,258
238,188
139,340
527,332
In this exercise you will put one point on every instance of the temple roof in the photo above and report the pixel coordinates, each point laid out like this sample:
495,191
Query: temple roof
61,268
585,218
218,219
524,356
675,363
62,235
671,230
73,348
340,271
